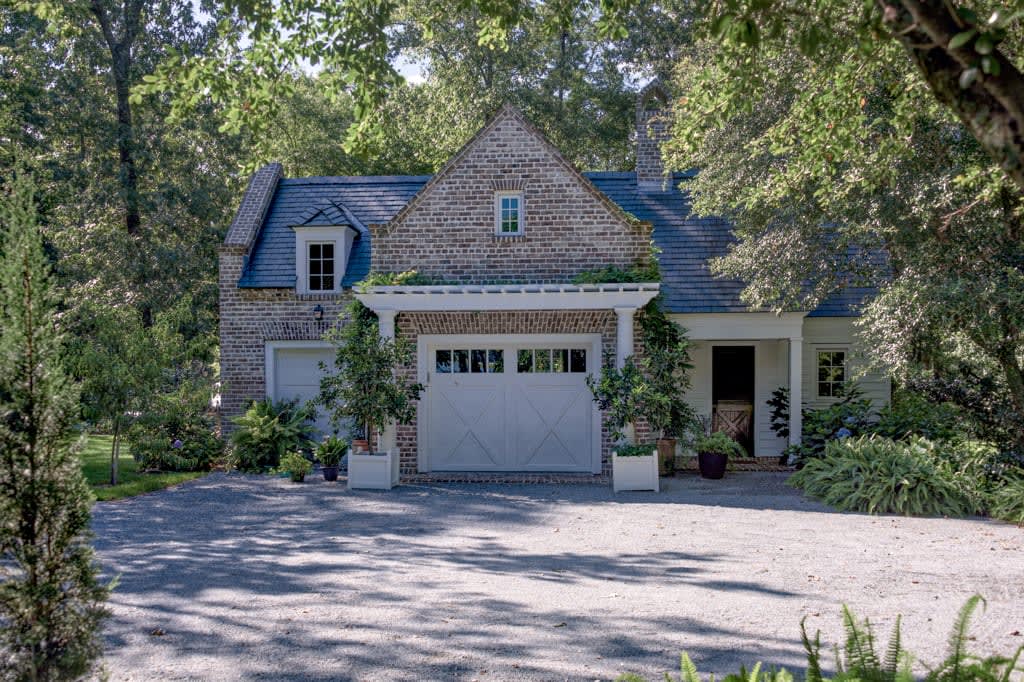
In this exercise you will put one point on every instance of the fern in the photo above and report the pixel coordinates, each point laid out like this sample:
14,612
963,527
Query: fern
952,669
813,650
860,645
894,652
687,670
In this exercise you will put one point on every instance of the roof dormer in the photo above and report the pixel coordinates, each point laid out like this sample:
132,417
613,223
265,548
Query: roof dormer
323,245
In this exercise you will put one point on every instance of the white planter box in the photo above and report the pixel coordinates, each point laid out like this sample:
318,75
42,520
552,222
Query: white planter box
635,473
374,472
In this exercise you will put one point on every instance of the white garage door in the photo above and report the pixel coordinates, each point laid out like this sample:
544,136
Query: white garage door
295,374
491,405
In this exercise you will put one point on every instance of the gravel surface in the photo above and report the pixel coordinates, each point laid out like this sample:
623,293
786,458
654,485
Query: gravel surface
244,577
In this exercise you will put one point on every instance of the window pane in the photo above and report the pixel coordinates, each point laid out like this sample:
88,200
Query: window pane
328,250
314,250
314,282
478,361
314,267
543,360
328,267
578,360
525,361
460,361
823,373
496,361
825,390
443,362
560,360
327,282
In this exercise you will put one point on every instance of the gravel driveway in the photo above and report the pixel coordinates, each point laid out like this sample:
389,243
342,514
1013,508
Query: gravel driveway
243,577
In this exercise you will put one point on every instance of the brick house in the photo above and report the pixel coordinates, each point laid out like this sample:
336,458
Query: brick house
505,345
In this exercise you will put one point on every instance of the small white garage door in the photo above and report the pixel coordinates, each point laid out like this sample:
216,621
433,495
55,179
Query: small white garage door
294,373
492,405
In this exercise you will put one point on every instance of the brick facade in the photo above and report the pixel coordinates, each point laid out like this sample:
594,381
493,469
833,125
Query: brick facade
652,127
447,231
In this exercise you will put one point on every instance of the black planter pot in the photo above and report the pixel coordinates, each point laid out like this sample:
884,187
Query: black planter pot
330,473
712,464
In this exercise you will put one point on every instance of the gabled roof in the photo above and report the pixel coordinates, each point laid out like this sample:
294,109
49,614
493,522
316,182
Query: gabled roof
328,212
506,112
686,241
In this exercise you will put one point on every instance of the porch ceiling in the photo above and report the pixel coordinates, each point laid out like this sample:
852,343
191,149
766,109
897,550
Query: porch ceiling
411,298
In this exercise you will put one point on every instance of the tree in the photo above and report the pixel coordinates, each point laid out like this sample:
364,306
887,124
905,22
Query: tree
50,599
840,170
366,386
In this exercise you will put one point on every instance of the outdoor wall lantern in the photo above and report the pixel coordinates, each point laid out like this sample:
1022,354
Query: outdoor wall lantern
318,312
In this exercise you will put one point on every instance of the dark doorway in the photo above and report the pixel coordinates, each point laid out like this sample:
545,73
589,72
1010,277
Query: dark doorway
732,393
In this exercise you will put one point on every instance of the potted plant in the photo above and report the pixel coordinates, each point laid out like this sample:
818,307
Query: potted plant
666,366
329,453
713,452
296,466
365,388
620,393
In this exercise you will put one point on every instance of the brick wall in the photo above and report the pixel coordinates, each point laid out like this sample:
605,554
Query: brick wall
448,231
652,128
411,325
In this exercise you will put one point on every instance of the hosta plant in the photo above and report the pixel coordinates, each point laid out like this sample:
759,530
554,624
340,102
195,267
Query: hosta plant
1007,501
881,476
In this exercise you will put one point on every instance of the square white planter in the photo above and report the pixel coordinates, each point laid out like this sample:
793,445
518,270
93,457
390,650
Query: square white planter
373,472
635,473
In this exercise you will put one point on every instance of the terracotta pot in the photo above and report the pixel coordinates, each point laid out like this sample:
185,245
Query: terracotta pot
712,464
666,456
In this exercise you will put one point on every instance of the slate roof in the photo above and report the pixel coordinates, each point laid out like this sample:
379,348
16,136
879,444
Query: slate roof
686,241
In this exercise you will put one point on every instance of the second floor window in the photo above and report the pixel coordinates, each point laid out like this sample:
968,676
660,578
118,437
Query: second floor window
321,266
509,214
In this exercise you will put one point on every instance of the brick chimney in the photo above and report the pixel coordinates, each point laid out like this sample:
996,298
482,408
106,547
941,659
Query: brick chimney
652,122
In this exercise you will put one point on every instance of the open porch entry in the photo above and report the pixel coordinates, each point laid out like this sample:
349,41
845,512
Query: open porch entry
733,397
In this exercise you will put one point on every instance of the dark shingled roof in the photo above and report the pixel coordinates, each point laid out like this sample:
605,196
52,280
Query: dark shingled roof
686,241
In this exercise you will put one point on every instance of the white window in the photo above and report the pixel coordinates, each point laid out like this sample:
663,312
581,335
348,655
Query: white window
556,360
320,266
831,366
321,255
508,213
469,361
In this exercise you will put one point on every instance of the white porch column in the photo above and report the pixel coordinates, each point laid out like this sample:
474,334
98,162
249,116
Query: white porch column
796,382
624,335
386,327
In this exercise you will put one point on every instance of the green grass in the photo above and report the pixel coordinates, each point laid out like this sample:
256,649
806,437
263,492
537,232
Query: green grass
131,481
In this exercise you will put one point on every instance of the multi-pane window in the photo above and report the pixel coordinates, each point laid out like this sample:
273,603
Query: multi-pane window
469,361
509,214
321,266
831,373
543,360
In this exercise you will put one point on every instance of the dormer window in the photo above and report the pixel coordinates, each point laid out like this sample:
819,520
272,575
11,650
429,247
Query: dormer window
321,266
508,214
321,257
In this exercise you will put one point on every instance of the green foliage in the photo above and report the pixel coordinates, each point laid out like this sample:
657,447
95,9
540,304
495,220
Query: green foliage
637,450
267,431
330,450
392,279
176,432
51,603
859,661
849,416
295,465
621,394
881,476
912,414
667,366
719,443
778,416
365,385
1006,502
611,274
95,457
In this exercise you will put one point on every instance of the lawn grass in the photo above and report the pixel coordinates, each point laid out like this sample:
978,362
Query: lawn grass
131,481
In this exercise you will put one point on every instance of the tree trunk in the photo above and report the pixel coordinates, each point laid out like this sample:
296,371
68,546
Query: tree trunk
115,451
990,106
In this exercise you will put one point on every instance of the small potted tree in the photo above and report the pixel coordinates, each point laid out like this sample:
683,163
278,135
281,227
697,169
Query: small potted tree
713,452
365,389
621,394
666,366
296,466
329,453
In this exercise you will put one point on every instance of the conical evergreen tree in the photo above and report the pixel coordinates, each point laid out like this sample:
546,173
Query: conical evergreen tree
51,603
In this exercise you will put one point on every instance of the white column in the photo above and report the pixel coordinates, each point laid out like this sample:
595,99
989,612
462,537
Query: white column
624,335
796,382
386,327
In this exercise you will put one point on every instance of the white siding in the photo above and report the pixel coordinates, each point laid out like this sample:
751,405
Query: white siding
837,333
772,364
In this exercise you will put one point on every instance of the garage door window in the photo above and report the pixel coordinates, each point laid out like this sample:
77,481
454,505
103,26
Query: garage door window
551,360
469,361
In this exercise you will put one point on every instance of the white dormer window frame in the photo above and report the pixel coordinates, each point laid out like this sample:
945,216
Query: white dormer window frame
509,214
340,238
